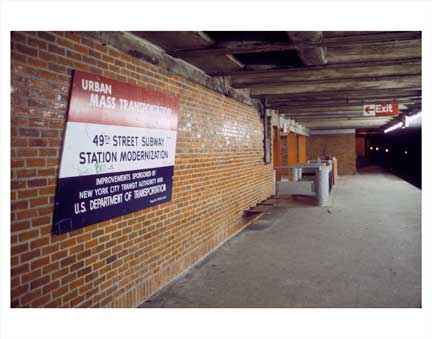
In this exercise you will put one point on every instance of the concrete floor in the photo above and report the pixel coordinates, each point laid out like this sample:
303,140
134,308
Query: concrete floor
363,250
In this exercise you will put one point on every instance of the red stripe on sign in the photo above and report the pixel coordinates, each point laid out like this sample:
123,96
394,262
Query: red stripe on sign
99,100
386,109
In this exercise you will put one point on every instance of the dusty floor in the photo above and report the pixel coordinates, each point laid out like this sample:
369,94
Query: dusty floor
361,251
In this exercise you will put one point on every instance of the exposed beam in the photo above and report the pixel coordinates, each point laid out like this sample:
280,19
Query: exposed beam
239,48
235,60
373,52
179,39
339,115
139,48
316,88
337,103
358,118
277,81
276,71
258,47
343,100
321,74
335,117
324,122
357,127
346,94
332,34
310,56
329,118
338,108
328,110
343,124
371,38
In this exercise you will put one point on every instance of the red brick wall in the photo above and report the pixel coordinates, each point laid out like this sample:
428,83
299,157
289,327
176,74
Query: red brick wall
219,172
341,146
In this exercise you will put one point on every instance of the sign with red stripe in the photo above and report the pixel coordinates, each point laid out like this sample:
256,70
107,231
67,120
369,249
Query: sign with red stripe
372,110
118,153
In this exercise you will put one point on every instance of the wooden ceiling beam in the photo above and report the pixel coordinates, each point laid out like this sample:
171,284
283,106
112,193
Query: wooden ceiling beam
343,124
346,121
345,93
239,48
321,74
358,113
316,88
407,49
341,115
337,103
335,125
140,48
278,71
265,46
349,119
342,100
329,117
328,110
309,55
278,82
368,38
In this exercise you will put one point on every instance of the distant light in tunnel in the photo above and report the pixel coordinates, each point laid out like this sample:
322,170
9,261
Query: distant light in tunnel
371,148
387,150
398,125
377,149
406,152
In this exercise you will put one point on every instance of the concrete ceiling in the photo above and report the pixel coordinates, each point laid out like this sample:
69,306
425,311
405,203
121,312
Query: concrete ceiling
320,79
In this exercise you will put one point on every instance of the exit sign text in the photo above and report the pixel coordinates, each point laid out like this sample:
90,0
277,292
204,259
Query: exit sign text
372,110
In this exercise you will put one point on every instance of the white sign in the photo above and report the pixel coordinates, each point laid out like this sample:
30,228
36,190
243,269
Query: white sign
368,110
118,153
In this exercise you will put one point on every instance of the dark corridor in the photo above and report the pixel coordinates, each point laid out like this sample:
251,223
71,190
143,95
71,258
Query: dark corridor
399,152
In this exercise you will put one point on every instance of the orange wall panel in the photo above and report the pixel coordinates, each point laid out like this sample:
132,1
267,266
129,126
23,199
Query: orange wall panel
302,148
292,149
277,151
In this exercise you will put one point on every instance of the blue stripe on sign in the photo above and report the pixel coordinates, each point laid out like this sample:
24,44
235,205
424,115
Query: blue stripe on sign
87,200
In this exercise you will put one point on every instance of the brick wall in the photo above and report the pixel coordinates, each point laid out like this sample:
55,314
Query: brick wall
219,172
341,146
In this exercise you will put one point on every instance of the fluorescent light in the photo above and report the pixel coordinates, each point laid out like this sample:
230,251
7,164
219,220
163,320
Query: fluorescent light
409,119
398,125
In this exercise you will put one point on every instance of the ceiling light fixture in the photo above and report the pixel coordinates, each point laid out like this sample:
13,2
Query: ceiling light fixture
409,119
392,128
